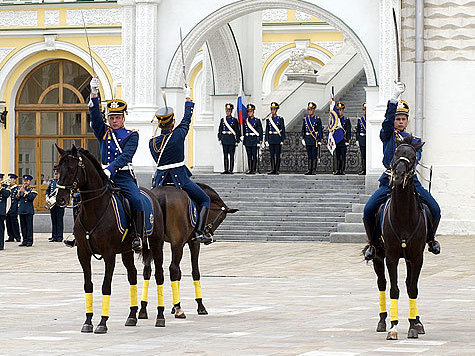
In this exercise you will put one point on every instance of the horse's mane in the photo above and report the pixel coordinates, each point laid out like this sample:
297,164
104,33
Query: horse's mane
213,195
94,162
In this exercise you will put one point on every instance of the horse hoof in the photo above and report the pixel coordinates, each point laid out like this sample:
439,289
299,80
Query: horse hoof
143,314
86,328
180,314
160,323
392,335
131,322
381,327
420,328
202,311
173,310
412,334
101,329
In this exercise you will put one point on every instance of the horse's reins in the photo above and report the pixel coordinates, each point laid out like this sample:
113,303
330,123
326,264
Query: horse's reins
209,227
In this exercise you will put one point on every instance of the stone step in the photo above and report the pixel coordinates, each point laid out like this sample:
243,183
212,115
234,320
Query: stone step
302,238
357,208
353,217
302,218
351,227
346,237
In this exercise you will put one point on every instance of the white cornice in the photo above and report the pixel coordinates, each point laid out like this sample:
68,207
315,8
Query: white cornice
298,28
69,32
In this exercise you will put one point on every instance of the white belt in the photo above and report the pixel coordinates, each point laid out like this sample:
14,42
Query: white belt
362,134
170,166
227,133
125,168
273,133
251,134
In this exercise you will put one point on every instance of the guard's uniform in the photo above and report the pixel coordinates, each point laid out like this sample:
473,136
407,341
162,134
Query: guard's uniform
13,229
275,136
341,146
312,134
253,134
26,212
57,214
361,138
229,135
4,194
111,157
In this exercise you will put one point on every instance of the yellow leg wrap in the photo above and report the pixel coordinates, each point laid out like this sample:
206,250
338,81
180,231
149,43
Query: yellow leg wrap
382,302
133,295
160,296
145,291
413,312
197,285
88,302
105,305
176,292
393,310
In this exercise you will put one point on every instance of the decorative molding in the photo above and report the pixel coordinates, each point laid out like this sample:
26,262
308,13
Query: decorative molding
387,51
270,47
128,53
112,57
4,52
50,42
274,15
196,37
51,17
302,16
333,47
110,16
18,18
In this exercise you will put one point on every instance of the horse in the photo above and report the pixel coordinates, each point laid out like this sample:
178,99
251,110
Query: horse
174,203
97,233
404,231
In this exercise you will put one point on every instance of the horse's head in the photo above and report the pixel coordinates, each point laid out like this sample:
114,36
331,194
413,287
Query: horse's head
403,165
69,168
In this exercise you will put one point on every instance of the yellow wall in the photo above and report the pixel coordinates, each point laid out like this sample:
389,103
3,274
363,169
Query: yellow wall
312,36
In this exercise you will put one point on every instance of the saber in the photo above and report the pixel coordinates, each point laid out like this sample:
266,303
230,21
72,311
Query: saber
396,33
88,45
182,59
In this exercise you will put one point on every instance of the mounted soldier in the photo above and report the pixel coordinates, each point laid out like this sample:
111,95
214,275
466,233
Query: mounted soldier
229,134
341,147
168,151
275,136
393,131
252,132
117,146
312,134
361,139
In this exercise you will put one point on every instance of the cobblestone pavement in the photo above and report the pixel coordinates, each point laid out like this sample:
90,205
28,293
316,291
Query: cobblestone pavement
262,299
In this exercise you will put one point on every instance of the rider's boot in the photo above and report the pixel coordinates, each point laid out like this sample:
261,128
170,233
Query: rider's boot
199,234
434,245
139,221
370,250
70,241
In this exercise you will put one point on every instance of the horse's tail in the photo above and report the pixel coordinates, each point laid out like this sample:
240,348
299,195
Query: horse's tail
146,254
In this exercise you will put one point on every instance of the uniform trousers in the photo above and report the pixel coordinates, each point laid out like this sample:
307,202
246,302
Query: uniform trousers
126,183
26,224
13,229
275,150
251,153
312,151
2,231
57,214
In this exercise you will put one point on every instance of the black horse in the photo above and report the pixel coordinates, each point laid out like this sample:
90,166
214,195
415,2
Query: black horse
404,231
97,233
174,203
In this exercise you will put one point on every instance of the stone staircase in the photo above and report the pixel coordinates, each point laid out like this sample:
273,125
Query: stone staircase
287,207
352,229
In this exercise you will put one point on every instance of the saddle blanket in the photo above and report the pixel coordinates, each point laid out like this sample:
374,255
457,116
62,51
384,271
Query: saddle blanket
193,212
121,219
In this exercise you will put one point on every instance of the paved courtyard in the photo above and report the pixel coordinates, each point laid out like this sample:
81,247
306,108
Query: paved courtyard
262,299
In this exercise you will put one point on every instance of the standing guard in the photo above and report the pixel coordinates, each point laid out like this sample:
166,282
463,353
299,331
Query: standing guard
275,136
229,137
312,134
252,131
56,212
168,150
13,229
118,146
26,194
4,194
361,139
342,146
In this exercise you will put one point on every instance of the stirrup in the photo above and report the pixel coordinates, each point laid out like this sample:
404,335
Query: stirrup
70,241
137,244
202,238
369,252
434,247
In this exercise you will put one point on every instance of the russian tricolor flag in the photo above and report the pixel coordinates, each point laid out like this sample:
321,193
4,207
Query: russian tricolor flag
241,106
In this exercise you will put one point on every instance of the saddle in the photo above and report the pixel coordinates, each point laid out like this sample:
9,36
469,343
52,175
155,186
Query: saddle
124,201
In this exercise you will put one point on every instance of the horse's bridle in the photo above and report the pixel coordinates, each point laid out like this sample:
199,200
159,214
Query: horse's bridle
409,171
209,228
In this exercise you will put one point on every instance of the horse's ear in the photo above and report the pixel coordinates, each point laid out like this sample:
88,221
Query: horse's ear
60,150
418,144
232,211
74,150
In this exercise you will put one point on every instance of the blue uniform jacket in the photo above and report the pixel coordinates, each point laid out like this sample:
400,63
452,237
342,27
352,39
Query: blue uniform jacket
110,155
361,131
250,139
225,135
14,200
51,187
271,135
311,128
26,201
174,151
4,194
346,124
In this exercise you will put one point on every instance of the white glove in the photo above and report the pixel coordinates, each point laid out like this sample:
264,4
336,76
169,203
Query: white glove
187,92
303,142
95,84
107,173
399,88
266,144
319,143
242,138
358,143
281,143
220,142
347,143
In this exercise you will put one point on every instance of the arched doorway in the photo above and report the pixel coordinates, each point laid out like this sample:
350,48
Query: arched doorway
51,108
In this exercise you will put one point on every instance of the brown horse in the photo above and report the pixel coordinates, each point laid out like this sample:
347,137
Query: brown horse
97,233
178,232
404,231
